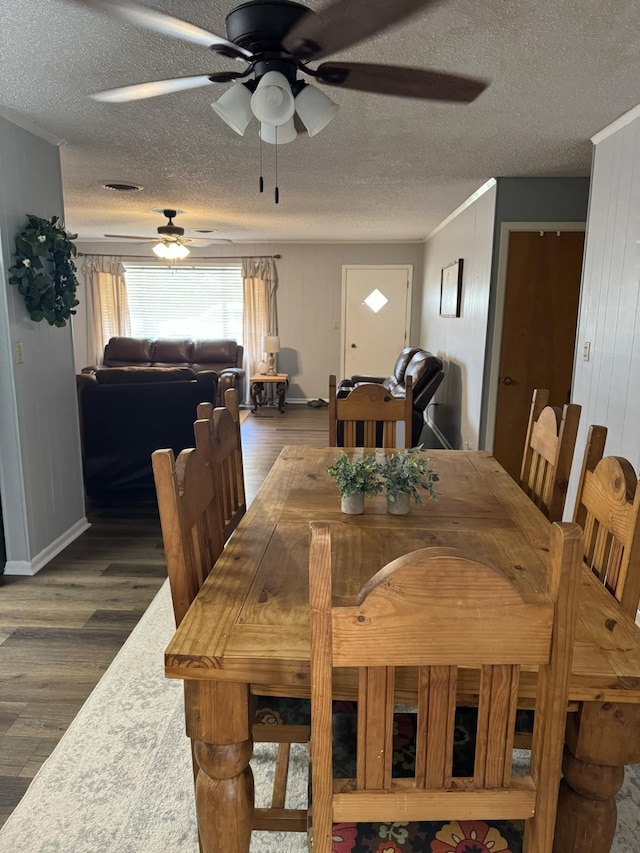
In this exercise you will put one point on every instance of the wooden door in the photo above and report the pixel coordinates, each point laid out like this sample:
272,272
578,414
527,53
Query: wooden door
376,317
538,334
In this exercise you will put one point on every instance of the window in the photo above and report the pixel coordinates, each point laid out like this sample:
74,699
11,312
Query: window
185,301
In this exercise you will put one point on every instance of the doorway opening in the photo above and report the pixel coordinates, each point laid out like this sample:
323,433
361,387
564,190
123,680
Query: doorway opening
535,322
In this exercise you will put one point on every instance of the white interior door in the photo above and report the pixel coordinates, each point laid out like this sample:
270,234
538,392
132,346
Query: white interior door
376,317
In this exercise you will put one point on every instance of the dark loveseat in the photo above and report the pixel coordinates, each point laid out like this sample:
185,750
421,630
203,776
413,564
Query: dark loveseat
127,413
224,357
426,374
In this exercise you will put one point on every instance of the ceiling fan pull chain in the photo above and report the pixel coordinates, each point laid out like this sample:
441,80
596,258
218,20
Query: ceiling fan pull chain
276,195
261,182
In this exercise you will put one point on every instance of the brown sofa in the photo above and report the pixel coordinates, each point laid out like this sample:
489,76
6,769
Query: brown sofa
224,357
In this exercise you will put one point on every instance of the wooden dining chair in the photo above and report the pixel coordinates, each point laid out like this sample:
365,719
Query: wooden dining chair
435,610
190,521
278,720
608,510
225,452
368,415
548,453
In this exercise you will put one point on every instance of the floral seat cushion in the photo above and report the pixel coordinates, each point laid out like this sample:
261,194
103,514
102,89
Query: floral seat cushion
281,711
446,836
524,721
404,742
465,836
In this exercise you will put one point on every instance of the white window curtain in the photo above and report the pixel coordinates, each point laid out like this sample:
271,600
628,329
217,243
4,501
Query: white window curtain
259,277
107,306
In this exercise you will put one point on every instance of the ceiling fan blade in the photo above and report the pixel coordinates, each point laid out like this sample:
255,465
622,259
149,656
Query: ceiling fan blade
198,242
194,241
203,241
138,91
342,24
168,25
401,81
131,237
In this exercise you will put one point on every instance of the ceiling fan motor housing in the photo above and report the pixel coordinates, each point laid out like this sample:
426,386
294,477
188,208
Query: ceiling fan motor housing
260,25
170,230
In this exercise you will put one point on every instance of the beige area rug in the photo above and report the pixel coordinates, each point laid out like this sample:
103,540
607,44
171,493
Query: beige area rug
120,779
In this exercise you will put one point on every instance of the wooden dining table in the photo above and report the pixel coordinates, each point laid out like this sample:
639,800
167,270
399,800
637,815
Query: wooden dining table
247,632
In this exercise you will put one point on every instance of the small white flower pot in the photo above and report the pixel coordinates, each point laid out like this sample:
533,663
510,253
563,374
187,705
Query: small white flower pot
399,505
352,504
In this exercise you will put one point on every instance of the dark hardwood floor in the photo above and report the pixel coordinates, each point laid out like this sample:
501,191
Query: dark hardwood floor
60,629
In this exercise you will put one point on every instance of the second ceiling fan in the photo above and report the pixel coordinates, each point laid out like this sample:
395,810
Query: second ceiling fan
171,244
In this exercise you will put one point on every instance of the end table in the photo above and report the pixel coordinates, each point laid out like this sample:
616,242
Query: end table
257,388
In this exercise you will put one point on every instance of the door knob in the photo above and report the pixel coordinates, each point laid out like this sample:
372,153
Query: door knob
354,346
507,380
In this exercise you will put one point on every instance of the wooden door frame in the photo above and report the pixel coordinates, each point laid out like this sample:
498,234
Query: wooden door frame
492,371
407,318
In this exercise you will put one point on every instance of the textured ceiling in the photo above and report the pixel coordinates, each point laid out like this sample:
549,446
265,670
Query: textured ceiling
384,169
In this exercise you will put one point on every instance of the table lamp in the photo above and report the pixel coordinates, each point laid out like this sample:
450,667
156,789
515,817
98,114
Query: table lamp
271,345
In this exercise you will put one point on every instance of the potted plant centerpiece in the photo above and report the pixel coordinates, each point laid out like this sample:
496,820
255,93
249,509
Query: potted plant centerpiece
356,480
402,475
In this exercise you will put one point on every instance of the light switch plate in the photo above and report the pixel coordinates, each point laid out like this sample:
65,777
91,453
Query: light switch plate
586,351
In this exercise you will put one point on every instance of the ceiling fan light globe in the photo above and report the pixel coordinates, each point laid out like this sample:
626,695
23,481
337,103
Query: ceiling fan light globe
273,102
179,251
171,251
234,107
279,135
160,250
315,109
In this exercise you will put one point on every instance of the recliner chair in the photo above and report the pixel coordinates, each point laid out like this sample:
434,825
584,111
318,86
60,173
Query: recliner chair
426,373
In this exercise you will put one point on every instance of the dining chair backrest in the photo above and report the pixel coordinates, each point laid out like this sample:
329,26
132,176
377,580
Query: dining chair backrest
218,439
201,500
368,415
548,453
190,521
435,610
608,510
224,448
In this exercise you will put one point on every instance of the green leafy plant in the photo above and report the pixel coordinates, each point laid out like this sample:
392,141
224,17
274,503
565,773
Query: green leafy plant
357,475
44,271
406,472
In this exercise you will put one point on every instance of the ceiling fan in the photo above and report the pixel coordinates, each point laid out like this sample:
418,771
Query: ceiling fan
282,37
170,242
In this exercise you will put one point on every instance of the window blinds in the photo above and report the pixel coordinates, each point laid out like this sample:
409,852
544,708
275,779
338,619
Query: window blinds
185,301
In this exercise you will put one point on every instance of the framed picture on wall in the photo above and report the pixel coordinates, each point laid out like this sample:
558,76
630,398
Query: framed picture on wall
451,289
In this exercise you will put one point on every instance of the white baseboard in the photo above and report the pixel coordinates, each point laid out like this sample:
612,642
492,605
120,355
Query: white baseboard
26,567
434,429
295,401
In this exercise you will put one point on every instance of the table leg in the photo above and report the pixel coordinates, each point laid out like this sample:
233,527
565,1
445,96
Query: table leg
217,715
601,738
256,391
281,388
